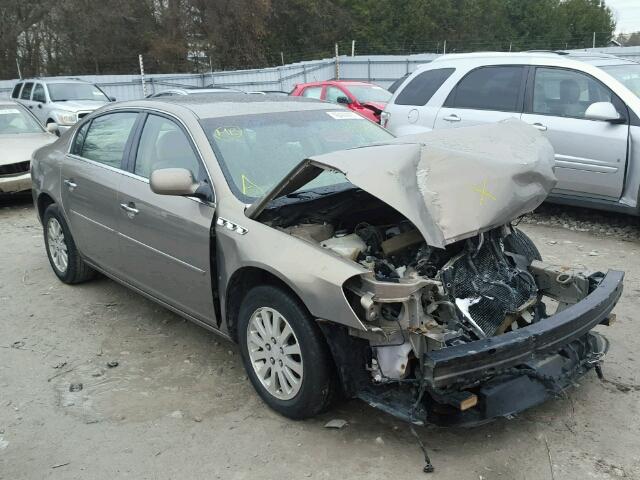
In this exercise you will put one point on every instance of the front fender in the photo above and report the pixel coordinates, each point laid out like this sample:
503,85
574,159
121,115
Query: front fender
314,274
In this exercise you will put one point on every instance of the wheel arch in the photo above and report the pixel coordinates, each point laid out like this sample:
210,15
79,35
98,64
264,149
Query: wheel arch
43,201
240,283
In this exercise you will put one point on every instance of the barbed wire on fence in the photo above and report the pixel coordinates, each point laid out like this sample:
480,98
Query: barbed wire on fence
201,63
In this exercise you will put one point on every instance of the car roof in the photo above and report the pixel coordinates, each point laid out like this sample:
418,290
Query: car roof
536,56
334,82
231,104
56,80
208,90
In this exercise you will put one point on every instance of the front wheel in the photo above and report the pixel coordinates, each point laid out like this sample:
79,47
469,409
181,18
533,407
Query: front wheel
284,353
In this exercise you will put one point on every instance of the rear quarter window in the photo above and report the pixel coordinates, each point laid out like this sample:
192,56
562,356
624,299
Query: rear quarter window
420,90
16,90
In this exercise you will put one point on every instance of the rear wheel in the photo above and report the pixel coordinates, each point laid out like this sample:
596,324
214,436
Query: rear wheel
63,255
284,353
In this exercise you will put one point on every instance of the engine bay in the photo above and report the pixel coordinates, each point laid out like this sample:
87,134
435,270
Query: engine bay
417,298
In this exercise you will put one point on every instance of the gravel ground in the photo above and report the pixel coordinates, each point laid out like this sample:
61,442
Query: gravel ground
601,224
178,404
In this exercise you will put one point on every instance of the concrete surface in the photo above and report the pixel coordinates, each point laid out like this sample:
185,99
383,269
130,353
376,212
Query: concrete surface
179,406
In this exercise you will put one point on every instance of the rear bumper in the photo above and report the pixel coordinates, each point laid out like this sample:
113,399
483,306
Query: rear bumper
467,364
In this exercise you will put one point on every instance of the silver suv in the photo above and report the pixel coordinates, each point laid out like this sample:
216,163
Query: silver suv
587,105
59,103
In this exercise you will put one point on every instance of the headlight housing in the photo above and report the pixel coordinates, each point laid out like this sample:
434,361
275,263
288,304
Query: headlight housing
66,118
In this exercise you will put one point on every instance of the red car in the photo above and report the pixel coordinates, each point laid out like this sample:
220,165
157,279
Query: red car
364,98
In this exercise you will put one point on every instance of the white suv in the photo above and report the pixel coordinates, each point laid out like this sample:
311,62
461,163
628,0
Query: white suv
588,106
59,103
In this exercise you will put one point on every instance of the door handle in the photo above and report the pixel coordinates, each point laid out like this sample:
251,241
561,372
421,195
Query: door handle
540,126
452,118
70,184
130,208
31,107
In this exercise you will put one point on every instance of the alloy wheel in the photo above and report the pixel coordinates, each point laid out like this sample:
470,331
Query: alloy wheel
274,352
57,245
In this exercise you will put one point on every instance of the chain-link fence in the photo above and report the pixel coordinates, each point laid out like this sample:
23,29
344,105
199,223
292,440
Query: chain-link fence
380,69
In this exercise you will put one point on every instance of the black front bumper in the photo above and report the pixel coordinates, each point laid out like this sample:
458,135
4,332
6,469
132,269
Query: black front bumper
465,364
508,373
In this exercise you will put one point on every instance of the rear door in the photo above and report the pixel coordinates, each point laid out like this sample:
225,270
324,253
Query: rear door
412,108
591,155
484,95
166,239
38,99
91,176
25,95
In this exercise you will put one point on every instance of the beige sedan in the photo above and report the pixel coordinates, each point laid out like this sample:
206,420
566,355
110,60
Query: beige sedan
341,259
20,136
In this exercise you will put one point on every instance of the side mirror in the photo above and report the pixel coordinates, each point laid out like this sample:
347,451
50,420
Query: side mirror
173,181
52,127
602,111
344,100
113,99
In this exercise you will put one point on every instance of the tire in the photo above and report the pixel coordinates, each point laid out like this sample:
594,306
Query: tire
317,386
519,242
57,238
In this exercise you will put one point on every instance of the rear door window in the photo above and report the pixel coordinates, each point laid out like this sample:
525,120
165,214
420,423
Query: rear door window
38,93
497,88
16,90
420,90
312,92
26,91
107,138
333,93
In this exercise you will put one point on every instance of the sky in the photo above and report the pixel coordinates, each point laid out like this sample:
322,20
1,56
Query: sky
627,15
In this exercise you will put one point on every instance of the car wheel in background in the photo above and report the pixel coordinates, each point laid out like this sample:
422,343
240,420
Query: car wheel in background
520,243
284,353
63,255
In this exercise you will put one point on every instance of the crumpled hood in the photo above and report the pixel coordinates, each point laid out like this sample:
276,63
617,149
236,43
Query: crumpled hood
451,184
79,105
20,147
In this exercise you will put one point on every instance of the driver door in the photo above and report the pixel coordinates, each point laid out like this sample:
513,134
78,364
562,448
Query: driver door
165,240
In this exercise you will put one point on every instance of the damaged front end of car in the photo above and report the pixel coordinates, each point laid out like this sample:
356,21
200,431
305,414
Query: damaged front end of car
461,319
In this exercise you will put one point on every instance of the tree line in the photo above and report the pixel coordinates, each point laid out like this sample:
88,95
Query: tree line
67,37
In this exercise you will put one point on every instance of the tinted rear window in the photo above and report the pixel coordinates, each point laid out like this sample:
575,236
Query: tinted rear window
489,88
26,91
16,90
420,90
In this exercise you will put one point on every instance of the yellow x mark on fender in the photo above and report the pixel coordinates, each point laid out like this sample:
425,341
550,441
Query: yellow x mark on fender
484,193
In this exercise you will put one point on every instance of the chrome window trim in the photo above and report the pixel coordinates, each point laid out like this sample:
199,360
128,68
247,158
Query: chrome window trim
90,118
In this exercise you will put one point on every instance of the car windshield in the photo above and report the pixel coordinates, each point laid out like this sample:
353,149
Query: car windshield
628,75
370,93
257,151
13,119
61,92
